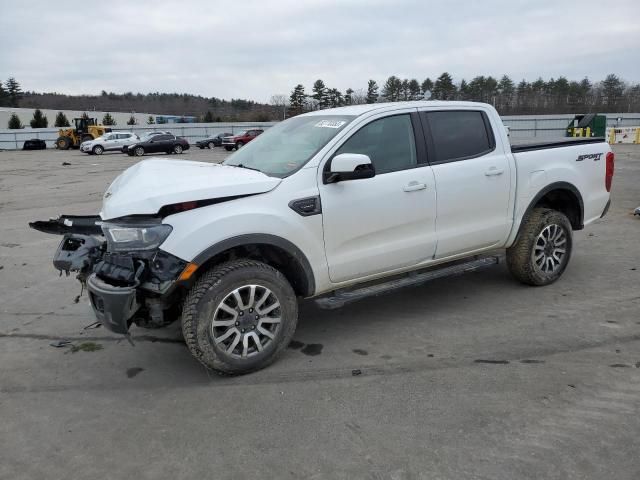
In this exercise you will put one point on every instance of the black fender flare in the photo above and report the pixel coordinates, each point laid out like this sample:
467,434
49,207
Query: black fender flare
262,239
556,186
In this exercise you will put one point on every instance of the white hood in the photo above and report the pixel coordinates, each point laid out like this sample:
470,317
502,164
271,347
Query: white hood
151,184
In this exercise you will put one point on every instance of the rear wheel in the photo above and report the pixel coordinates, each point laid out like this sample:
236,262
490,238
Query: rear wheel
542,250
177,149
98,150
138,151
228,149
63,143
239,316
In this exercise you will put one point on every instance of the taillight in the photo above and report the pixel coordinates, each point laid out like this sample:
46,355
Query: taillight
608,176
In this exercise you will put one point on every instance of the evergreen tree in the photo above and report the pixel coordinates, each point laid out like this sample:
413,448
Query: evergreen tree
612,88
347,96
150,120
427,88
404,90
39,120
3,96
61,120
415,92
14,122
320,94
208,117
463,90
334,97
108,120
372,91
392,89
297,99
14,92
444,89
132,121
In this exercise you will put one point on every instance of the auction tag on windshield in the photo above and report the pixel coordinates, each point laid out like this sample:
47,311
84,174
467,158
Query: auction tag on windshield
330,123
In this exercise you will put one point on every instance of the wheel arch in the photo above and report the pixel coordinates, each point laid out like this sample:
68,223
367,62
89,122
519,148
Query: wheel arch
271,249
561,196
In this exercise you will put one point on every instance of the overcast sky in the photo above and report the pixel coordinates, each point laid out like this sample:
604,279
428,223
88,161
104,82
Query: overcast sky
253,49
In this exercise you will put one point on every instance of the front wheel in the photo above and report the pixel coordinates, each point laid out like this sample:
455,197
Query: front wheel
239,316
98,150
239,145
177,149
211,145
542,250
139,151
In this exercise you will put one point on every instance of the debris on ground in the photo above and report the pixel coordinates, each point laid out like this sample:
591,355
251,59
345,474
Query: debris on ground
61,343
356,372
636,211
86,347
132,372
64,164
93,325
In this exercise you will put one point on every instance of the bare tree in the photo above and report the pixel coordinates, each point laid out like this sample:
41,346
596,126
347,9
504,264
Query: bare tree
281,101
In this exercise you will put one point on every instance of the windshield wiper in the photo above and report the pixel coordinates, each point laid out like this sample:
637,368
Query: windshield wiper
248,168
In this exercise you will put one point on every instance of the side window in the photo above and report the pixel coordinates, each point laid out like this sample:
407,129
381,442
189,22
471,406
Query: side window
389,143
458,135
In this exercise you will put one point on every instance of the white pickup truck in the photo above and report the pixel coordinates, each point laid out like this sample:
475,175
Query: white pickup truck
335,204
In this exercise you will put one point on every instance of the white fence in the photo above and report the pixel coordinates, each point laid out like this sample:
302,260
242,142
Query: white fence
14,139
523,128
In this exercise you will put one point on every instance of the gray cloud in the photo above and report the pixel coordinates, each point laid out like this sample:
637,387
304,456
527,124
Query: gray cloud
252,49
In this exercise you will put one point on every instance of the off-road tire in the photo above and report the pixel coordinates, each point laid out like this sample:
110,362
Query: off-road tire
63,143
520,256
205,296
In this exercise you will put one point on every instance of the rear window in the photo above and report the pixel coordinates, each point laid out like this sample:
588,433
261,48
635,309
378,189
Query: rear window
458,135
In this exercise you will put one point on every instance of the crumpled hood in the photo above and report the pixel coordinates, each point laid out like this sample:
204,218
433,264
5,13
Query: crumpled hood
147,186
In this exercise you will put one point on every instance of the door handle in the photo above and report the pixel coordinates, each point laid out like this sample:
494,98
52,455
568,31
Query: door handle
494,171
414,186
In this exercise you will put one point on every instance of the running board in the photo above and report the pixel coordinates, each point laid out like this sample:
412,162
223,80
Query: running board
340,298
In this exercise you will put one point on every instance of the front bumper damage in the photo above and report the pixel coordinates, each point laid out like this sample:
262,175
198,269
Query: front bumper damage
139,288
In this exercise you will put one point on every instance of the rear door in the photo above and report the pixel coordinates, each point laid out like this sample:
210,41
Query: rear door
386,222
473,181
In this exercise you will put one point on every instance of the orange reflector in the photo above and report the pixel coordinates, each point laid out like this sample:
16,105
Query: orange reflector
188,271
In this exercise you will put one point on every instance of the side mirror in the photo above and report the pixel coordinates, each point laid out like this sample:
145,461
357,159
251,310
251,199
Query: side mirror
349,166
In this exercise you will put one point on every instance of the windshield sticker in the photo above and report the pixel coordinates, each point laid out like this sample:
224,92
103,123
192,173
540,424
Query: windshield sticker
330,123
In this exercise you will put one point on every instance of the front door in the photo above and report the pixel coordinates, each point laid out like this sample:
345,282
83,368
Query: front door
386,222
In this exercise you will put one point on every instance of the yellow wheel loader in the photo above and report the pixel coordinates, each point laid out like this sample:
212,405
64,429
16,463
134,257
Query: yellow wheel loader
85,129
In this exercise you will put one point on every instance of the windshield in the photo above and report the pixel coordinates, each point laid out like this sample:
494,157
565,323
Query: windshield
286,147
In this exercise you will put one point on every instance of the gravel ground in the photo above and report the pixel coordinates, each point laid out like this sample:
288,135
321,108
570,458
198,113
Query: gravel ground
468,377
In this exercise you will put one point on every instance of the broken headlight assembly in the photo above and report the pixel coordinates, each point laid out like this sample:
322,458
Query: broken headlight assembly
130,238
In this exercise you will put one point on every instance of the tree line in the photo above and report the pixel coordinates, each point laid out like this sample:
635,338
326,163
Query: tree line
207,109
525,98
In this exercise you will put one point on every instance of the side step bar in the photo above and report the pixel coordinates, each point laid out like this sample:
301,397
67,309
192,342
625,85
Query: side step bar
340,298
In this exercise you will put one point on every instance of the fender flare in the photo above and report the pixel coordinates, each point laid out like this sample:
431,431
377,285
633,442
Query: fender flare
262,239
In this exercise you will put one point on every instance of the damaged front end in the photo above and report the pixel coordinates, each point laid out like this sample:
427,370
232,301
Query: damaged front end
129,279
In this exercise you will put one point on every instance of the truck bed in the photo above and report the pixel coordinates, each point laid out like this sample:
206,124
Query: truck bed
565,142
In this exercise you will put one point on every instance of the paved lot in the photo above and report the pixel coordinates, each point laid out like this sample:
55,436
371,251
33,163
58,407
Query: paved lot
468,377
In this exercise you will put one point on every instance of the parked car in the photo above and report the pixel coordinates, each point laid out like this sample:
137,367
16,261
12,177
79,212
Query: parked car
145,137
34,144
109,142
166,142
239,140
212,141
336,204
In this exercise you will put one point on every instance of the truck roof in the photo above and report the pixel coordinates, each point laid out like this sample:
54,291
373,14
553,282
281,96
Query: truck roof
366,108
